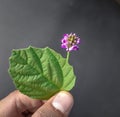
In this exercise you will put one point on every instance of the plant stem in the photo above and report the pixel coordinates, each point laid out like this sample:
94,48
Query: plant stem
68,54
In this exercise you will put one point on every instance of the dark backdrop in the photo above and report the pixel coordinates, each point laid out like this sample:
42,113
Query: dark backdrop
42,23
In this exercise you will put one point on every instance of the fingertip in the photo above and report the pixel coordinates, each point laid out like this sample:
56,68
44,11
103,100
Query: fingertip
63,102
57,106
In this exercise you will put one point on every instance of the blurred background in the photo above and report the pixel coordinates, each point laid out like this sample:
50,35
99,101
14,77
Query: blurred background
42,23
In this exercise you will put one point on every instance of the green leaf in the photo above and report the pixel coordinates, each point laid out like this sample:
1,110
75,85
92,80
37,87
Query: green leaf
40,72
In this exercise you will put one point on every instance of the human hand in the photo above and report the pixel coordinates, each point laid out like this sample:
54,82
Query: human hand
18,105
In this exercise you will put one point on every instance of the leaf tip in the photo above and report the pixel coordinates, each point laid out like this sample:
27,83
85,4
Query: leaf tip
29,47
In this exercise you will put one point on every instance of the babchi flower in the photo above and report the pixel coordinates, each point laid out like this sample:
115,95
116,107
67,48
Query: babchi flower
70,42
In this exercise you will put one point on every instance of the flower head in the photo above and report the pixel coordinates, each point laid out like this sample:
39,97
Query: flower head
70,42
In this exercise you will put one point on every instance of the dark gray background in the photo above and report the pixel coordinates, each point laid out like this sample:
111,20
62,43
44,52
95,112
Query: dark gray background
42,23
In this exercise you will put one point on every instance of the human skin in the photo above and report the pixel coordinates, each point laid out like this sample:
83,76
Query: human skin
17,104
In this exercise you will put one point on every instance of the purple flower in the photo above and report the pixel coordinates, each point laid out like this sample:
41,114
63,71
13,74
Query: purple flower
70,42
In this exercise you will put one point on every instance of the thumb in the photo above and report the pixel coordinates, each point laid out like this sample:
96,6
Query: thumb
57,106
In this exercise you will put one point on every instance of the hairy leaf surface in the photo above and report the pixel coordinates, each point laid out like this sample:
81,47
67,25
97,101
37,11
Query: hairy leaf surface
40,72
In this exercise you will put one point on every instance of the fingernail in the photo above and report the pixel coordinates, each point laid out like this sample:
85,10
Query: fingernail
63,102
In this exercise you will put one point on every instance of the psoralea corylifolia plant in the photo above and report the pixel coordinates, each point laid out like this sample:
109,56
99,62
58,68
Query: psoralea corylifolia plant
42,72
